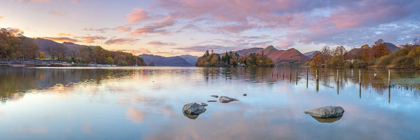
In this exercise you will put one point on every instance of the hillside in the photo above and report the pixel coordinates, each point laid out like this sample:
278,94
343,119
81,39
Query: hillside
165,61
43,43
247,51
392,48
278,56
190,59
311,54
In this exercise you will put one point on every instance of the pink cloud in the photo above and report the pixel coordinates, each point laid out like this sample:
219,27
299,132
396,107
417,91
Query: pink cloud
123,29
92,39
34,1
14,30
158,43
62,39
158,27
56,13
137,15
1,17
64,34
121,41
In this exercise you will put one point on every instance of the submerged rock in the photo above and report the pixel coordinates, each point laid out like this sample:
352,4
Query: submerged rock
225,99
244,94
193,109
212,101
204,104
215,96
326,120
326,112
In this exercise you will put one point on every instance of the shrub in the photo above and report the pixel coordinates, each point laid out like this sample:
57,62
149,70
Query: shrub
403,62
348,65
385,60
359,64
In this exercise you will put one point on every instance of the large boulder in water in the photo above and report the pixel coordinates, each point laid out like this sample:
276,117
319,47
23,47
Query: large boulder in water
225,99
193,109
326,112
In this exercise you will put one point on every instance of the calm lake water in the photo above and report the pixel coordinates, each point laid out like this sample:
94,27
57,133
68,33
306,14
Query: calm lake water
146,103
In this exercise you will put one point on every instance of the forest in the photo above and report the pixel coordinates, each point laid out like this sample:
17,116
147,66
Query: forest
19,47
233,59
377,55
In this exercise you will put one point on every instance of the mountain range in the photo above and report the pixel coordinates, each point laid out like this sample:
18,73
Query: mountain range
169,61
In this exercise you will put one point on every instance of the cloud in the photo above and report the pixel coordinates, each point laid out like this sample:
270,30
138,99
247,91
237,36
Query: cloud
55,13
101,30
158,43
123,29
64,34
75,2
137,15
215,48
121,41
34,1
1,17
14,30
61,39
138,51
92,39
158,27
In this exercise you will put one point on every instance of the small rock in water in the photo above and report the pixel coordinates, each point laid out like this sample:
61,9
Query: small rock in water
225,99
192,110
215,96
212,101
326,112
244,94
204,104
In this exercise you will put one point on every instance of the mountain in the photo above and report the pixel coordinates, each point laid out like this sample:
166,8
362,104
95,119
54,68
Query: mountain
311,54
248,51
278,56
43,43
190,59
165,61
392,48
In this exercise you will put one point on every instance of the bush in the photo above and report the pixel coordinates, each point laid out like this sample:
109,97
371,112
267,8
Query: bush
385,60
359,64
348,65
402,52
403,62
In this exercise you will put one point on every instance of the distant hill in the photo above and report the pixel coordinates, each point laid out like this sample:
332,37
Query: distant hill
248,51
165,61
392,48
43,43
311,54
190,59
278,56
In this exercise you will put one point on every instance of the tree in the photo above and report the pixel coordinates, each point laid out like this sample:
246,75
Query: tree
340,51
27,49
316,60
8,44
110,60
379,49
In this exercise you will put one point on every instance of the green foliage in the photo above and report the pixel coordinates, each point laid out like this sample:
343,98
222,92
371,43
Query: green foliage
359,63
229,59
402,52
403,62
110,60
385,60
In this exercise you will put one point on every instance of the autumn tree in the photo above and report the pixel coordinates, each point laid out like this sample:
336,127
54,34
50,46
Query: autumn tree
379,49
27,49
8,44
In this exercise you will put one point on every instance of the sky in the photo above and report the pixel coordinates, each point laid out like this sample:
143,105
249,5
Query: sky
179,27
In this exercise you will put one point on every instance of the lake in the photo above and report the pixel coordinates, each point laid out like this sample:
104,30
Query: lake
146,103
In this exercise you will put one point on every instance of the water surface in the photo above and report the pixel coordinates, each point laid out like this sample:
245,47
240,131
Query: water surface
146,103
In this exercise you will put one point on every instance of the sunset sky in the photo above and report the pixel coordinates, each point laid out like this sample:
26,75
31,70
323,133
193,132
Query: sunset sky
177,27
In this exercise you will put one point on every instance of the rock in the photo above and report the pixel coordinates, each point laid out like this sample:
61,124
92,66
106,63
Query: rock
193,109
326,112
327,120
204,104
225,99
215,96
244,94
212,101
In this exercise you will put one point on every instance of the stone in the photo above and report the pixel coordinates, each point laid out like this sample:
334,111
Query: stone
212,101
326,112
244,94
193,109
215,96
204,104
225,99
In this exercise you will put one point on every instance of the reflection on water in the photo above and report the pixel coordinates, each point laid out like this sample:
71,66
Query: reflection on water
146,103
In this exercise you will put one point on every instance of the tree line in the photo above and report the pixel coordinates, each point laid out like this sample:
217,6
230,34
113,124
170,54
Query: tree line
233,59
378,56
17,46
